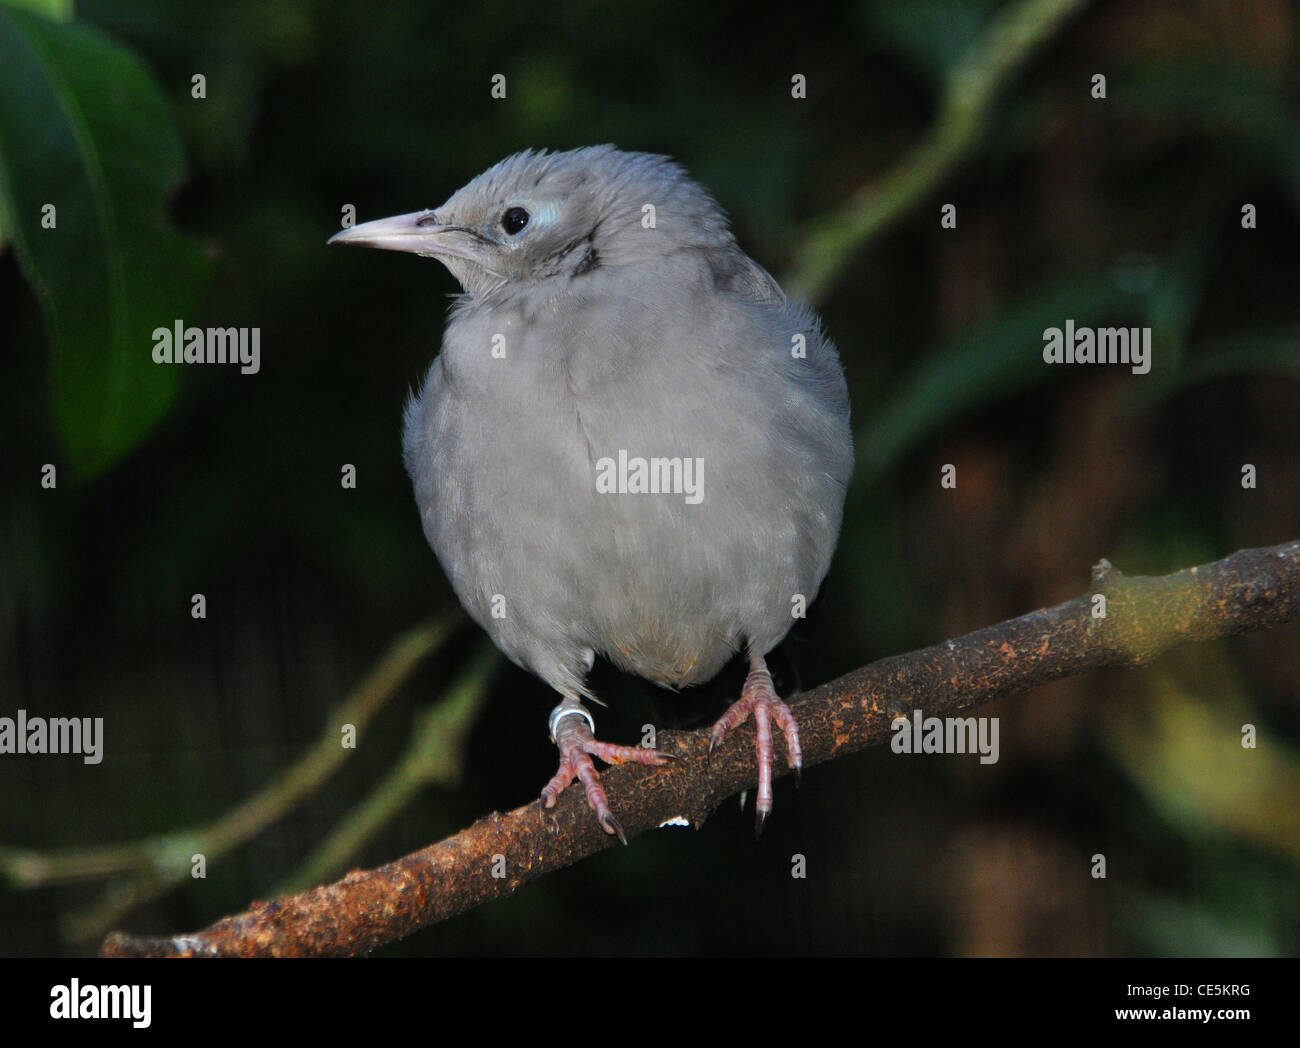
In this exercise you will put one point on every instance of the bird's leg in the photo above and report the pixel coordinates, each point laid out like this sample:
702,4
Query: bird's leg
759,697
572,730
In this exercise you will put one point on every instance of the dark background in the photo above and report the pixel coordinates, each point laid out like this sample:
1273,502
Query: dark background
1118,211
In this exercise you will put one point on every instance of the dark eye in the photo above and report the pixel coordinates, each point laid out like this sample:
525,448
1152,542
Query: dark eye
514,220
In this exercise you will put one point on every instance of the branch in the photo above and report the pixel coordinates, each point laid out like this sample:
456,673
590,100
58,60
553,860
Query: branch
434,754
155,864
830,243
1250,590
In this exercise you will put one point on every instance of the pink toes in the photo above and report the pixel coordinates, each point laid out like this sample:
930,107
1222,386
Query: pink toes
759,697
571,727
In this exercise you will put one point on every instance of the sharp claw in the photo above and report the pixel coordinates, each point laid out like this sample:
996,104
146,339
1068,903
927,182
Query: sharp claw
613,827
572,731
759,699
744,796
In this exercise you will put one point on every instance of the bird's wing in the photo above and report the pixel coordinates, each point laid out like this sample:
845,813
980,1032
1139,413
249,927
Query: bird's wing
736,272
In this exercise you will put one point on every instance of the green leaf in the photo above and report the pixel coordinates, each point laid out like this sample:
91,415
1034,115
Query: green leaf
1253,352
998,361
59,10
84,128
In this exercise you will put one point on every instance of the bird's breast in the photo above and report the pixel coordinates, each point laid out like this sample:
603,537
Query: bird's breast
619,485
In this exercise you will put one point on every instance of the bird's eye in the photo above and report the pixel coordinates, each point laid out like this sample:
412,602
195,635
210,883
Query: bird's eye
514,220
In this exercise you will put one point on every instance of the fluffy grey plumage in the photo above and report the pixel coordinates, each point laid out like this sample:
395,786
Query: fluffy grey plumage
582,334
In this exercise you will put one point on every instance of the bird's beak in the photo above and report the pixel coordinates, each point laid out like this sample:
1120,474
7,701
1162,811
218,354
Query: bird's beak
414,232
419,233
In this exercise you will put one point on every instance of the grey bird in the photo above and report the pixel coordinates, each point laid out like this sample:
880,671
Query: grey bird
632,444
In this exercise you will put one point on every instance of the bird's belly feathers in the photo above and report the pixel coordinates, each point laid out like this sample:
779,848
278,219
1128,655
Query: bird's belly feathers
538,503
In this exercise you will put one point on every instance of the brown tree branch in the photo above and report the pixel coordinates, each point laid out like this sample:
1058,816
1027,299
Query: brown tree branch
154,865
1138,619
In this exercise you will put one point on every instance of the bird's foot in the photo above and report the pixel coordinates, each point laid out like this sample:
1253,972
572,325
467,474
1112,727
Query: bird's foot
572,730
759,697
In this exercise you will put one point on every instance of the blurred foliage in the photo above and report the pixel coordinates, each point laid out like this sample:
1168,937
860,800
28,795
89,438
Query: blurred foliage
933,36
1118,211
88,158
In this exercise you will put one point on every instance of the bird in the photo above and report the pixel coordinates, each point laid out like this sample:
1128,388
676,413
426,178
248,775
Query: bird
632,444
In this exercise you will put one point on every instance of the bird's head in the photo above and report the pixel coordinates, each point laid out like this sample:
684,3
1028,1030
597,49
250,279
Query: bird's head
538,216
